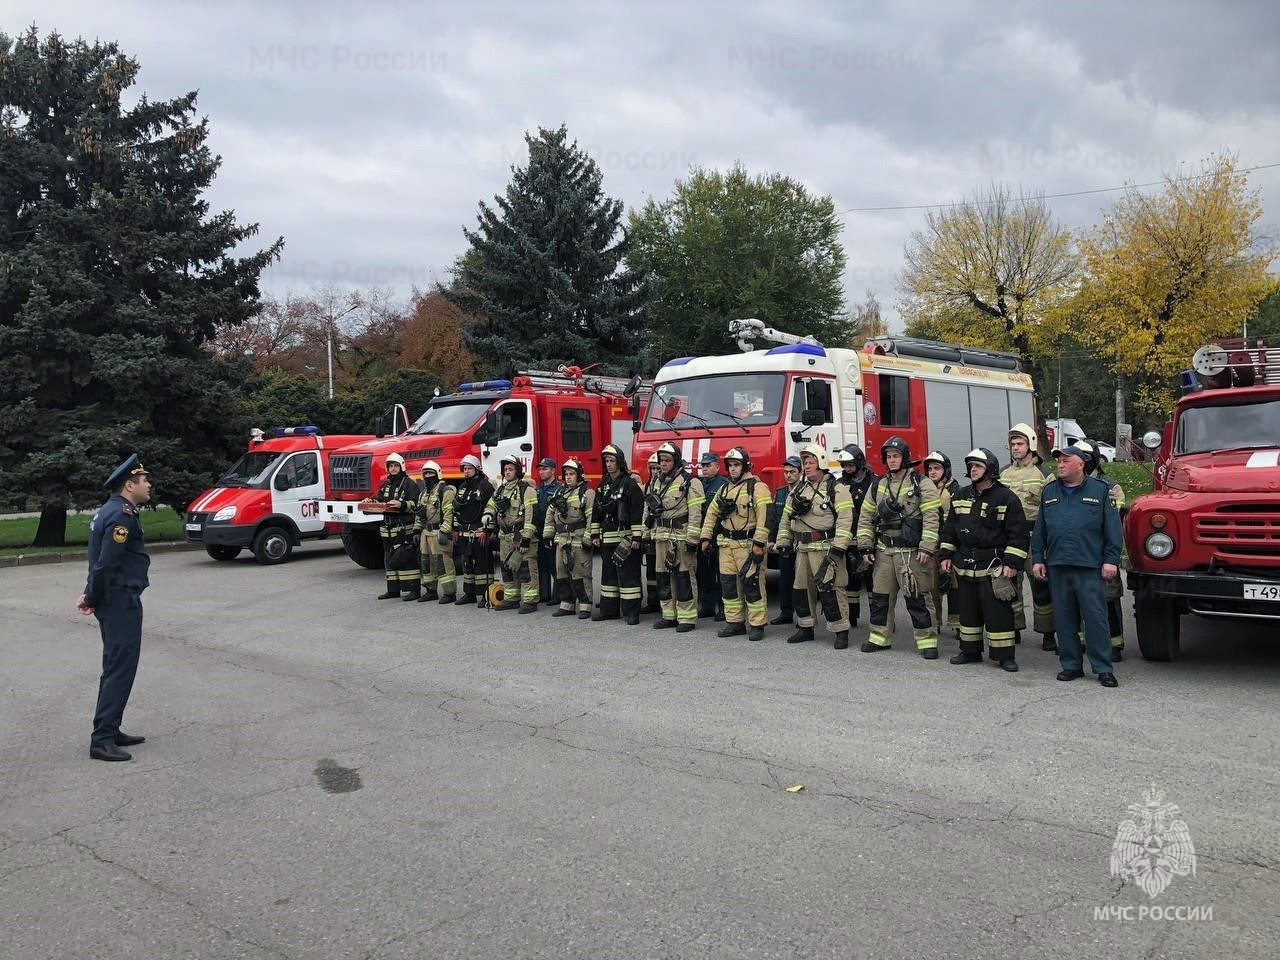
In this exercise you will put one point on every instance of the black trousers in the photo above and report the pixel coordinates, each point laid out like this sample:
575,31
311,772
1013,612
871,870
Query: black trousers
120,623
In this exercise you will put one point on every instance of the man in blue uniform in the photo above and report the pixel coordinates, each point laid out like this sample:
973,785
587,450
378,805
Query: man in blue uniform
118,563
1076,544
707,569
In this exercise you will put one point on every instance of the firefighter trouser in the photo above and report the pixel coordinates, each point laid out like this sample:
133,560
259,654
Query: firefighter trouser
476,566
744,597
898,569
1041,604
676,572
435,564
859,588
809,594
392,537
519,570
619,583
651,571
1115,613
980,607
944,585
573,572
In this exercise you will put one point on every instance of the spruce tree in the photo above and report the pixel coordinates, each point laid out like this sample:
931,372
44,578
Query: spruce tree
113,278
544,274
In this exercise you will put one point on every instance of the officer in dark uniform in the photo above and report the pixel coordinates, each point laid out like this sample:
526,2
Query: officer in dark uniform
548,486
118,564
707,571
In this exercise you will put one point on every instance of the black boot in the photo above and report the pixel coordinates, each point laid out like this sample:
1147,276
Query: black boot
963,657
869,647
448,598
842,640
663,624
412,594
930,653
1009,664
466,598
392,591
528,608
427,596
732,630
755,633
1049,642
1117,654
801,635
562,612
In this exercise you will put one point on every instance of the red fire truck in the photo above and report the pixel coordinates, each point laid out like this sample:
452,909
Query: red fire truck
568,412
1207,541
268,500
936,396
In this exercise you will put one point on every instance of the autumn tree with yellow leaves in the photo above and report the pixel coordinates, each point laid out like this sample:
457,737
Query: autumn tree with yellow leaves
988,272
1165,273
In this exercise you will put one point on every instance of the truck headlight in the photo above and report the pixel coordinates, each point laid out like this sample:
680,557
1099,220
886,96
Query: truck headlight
1158,545
226,513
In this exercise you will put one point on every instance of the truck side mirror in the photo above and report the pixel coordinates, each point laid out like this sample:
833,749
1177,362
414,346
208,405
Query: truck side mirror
813,418
816,397
489,434
281,482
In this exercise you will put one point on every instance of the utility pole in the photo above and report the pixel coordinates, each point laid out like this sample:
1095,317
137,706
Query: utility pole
328,342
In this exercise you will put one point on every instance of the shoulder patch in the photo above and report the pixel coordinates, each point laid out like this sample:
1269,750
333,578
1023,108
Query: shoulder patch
119,533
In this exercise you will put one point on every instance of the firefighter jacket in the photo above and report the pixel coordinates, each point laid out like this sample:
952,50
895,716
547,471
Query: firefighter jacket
858,488
568,512
1027,481
469,501
984,531
675,503
435,508
818,513
740,511
900,513
401,487
512,508
1077,527
618,511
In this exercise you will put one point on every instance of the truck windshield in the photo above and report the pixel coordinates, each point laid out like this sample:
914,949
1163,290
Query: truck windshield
727,400
457,417
1239,426
251,470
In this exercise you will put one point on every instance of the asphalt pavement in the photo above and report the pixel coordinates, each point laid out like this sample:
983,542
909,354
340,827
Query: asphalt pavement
330,776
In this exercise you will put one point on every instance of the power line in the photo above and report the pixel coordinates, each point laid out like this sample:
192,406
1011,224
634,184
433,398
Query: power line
1050,196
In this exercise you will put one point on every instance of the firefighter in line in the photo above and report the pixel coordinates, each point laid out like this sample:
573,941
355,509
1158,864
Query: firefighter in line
1115,586
565,534
817,523
673,507
858,477
710,602
547,488
937,467
787,561
1026,476
472,496
898,535
652,604
617,530
432,522
510,513
985,540
400,493
738,522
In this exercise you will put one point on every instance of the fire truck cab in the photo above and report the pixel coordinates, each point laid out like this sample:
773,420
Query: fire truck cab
268,500
536,414
1207,539
936,396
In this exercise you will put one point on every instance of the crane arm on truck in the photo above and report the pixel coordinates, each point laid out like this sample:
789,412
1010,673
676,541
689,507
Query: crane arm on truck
745,331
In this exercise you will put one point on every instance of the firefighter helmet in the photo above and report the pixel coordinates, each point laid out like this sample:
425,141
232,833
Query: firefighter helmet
896,443
985,457
739,454
470,460
815,451
673,451
433,467
1088,454
854,452
512,459
1024,430
940,458
653,459
573,463
615,451
396,459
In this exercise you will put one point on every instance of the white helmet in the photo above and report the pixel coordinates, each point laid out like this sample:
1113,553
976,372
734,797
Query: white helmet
470,460
432,466
396,459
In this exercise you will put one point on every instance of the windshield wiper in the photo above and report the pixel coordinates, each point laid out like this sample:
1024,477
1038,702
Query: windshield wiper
706,425
721,413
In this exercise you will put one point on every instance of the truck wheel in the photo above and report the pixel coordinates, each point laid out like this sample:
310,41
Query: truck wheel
363,545
272,545
222,552
1159,626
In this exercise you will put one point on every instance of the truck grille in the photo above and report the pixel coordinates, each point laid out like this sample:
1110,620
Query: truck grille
350,472
197,518
1247,529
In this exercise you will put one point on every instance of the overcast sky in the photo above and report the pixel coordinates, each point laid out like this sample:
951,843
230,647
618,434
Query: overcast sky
366,133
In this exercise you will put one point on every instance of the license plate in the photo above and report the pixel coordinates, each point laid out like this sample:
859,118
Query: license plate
1262,591
193,527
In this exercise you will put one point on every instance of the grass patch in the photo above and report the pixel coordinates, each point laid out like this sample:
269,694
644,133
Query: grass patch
158,525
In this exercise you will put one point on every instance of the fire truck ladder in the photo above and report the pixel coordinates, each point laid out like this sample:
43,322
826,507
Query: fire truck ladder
745,331
1233,362
572,376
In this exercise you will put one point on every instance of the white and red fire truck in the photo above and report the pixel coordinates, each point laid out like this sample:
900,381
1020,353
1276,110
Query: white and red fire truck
1207,540
936,396
536,414
269,499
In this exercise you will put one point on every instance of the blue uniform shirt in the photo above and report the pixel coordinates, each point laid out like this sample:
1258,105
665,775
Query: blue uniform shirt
117,552
1077,528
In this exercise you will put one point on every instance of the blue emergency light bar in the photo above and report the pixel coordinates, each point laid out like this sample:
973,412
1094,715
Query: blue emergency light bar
1188,382
484,385
294,431
807,349
677,362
